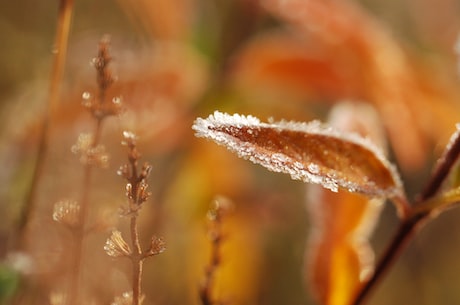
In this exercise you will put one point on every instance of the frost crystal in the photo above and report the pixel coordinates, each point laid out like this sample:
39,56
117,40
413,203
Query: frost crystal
311,152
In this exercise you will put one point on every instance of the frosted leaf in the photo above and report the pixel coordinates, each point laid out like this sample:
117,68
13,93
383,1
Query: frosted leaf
310,152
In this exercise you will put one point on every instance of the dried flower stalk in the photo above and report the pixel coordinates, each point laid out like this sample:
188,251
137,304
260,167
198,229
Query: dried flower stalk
137,195
92,154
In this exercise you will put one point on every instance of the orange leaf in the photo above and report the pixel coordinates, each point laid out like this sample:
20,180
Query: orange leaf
309,152
339,255
334,50
284,62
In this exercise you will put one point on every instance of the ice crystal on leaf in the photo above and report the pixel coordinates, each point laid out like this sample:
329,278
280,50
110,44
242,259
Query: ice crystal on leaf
310,152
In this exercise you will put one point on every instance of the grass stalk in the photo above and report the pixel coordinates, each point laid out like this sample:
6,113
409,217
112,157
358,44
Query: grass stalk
64,21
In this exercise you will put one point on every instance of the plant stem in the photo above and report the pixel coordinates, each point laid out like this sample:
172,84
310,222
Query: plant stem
137,261
399,242
445,164
415,216
60,53
80,232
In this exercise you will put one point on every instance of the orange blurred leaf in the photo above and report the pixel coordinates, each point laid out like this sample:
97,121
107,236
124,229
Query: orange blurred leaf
334,50
309,152
339,255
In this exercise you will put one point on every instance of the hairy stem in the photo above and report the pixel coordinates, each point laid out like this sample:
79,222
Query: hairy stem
60,53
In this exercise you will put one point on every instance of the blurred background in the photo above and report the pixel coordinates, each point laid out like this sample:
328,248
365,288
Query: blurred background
176,60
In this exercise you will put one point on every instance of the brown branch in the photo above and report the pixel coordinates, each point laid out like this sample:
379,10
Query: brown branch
403,235
414,220
444,165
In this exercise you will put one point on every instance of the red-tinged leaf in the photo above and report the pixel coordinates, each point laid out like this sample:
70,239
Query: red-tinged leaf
309,152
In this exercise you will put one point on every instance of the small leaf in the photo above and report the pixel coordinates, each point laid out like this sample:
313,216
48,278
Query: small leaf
310,152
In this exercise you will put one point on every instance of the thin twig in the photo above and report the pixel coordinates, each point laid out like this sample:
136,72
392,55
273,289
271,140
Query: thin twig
137,261
400,240
137,195
98,109
415,218
80,230
444,165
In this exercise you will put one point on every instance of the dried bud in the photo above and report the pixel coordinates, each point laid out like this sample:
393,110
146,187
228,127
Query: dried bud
87,100
129,190
142,193
129,138
101,63
157,246
146,169
116,246
67,212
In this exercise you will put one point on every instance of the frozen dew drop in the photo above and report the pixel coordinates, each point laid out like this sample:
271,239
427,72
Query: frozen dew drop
117,100
129,135
86,95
